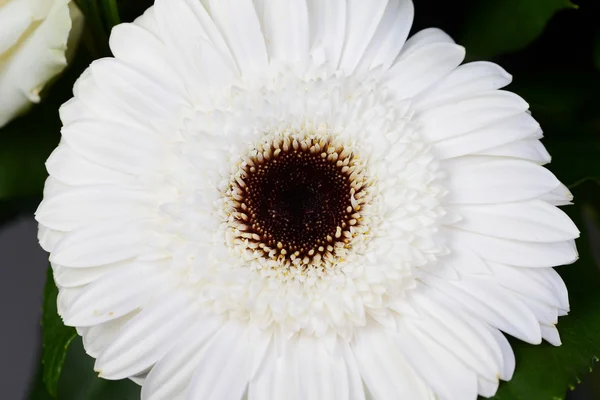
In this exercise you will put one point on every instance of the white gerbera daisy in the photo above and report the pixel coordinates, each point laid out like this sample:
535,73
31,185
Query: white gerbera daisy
286,199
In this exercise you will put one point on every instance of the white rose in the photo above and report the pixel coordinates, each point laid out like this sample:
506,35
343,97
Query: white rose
33,47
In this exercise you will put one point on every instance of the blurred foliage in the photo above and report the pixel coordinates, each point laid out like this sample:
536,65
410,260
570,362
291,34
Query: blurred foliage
495,27
100,16
553,51
79,381
56,337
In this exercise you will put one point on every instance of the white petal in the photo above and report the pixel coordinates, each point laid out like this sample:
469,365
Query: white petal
441,370
363,18
490,138
83,205
278,377
545,314
507,352
229,362
67,166
487,388
117,293
97,337
423,38
96,102
122,148
485,299
469,113
526,282
551,335
148,21
53,187
170,377
191,38
532,221
474,77
73,110
73,277
100,244
424,67
527,149
286,30
455,332
465,261
327,28
517,252
147,337
561,196
474,180
144,98
238,22
389,37
48,238
385,370
142,50
552,279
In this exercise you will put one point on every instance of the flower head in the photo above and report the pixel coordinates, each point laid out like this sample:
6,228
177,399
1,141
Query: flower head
288,199
33,46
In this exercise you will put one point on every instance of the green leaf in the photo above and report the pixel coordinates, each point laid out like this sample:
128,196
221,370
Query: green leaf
495,27
101,16
56,337
111,13
548,372
66,371
79,381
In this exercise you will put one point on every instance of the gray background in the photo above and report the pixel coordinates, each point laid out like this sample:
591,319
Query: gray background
23,276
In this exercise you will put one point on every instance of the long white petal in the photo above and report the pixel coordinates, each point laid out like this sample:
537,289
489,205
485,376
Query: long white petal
385,370
439,368
526,149
286,29
491,138
170,377
101,243
115,294
191,37
389,37
114,146
532,221
238,23
147,337
518,252
229,363
82,205
486,180
67,166
469,113
327,29
363,18
424,67
474,77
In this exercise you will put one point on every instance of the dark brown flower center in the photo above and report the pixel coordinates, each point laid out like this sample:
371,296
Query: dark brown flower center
297,202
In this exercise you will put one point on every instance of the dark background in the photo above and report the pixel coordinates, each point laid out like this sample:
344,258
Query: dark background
558,73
